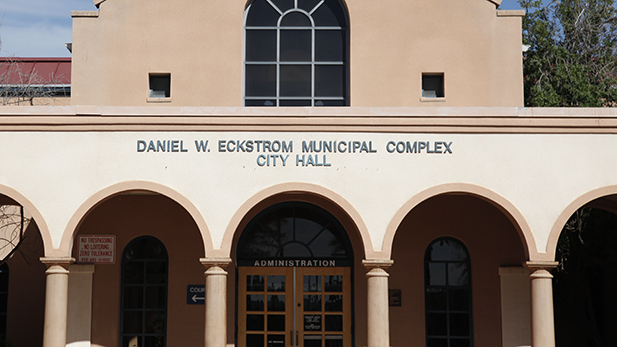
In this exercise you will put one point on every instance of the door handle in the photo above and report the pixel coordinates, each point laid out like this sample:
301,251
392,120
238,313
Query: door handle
294,342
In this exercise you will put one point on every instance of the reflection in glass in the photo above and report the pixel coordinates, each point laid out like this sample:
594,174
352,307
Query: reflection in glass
295,80
329,45
436,274
309,31
255,283
261,45
448,293
276,302
334,283
457,274
334,303
283,5
276,283
260,80
262,14
329,80
312,283
312,303
144,293
296,45
254,302
447,249
295,19
155,322
308,5
292,231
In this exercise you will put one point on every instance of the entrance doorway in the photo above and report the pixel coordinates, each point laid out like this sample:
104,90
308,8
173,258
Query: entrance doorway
294,284
294,306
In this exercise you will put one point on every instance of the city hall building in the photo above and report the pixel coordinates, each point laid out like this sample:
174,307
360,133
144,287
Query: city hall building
294,173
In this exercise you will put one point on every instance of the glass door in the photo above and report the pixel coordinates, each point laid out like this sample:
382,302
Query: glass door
294,307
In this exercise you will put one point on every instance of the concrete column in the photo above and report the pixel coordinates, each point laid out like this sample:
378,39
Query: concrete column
542,316
79,318
515,306
56,299
216,301
378,317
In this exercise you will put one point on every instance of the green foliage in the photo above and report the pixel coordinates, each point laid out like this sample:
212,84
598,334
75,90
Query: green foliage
571,58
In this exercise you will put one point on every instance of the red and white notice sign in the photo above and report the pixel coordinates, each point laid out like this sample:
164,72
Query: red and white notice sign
97,249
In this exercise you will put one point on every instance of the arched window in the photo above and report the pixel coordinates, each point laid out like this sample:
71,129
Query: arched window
144,293
295,230
447,283
296,53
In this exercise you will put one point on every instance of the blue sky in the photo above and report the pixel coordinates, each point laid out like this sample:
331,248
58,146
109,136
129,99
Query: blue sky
40,28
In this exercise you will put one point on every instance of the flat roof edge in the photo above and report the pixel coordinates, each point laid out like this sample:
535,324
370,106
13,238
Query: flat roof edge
81,14
510,13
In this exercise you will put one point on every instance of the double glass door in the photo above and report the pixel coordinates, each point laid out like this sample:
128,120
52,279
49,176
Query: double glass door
294,307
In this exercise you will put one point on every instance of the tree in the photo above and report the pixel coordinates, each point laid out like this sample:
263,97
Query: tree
570,60
19,86
585,280
13,223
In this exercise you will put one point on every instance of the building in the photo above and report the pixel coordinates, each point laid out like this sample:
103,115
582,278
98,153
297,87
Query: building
35,81
421,205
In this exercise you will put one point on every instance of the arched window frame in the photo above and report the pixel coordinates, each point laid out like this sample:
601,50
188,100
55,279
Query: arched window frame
448,306
332,222
125,336
323,73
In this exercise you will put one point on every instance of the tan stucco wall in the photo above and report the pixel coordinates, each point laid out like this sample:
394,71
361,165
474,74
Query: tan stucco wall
201,44
491,240
132,216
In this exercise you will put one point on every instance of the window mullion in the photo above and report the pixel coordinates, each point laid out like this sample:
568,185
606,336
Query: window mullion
313,66
278,65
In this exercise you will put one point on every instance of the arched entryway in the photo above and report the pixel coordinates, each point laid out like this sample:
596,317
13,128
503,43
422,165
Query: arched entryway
585,278
454,297
140,298
294,281
22,276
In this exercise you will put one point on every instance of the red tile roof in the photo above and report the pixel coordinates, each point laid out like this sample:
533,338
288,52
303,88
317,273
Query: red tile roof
56,71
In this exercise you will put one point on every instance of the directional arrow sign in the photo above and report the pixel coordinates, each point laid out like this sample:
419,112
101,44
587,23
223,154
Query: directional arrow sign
195,294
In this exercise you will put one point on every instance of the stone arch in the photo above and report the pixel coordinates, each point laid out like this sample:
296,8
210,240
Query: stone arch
300,189
36,215
505,206
577,203
73,225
